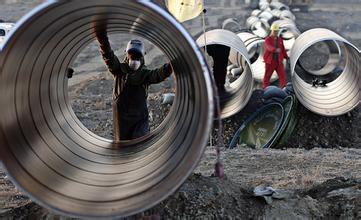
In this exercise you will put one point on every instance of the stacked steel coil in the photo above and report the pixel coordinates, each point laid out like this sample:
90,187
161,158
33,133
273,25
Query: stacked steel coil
259,25
275,12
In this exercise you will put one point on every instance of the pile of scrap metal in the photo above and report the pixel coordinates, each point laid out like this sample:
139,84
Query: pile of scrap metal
261,20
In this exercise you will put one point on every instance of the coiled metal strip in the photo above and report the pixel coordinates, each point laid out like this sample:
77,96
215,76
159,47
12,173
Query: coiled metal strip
279,5
289,32
46,149
339,96
231,24
286,14
240,91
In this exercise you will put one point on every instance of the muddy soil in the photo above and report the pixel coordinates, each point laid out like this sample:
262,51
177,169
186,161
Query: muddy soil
319,168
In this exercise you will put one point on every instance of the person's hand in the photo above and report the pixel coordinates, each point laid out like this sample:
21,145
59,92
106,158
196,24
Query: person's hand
168,68
278,50
69,72
101,35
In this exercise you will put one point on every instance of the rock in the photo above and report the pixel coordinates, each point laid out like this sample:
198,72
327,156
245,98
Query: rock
282,194
183,195
268,199
263,190
349,193
168,98
4,211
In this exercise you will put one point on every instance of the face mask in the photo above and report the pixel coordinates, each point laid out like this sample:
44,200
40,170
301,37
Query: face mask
134,64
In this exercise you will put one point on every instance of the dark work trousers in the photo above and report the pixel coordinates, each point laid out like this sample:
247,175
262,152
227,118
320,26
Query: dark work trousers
127,125
220,55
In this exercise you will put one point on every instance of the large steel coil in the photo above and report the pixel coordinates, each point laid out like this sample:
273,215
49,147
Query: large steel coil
267,15
46,149
276,13
278,5
250,21
264,5
286,14
255,12
260,28
338,96
289,32
239,92
231,24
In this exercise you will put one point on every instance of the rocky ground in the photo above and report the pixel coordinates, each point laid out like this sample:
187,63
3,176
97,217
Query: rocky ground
318,169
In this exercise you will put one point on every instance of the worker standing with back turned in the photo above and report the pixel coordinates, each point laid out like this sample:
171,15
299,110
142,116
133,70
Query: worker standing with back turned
274,54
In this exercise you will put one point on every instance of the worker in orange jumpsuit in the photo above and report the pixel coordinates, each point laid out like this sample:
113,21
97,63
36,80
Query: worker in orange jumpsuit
274,54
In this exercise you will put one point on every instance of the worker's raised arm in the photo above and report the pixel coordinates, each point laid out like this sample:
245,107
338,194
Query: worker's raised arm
107,53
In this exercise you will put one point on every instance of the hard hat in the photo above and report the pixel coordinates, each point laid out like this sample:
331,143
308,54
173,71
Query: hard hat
135,46
275,27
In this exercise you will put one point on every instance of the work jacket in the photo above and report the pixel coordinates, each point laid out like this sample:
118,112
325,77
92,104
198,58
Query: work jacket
270,49
130,91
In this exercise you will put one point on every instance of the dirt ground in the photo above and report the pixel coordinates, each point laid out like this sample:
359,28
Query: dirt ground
318,169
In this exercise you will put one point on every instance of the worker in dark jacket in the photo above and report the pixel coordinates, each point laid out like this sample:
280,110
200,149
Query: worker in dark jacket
132,78
273,57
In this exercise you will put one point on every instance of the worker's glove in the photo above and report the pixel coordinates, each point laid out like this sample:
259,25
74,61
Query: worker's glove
168,68
102,37
69,72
